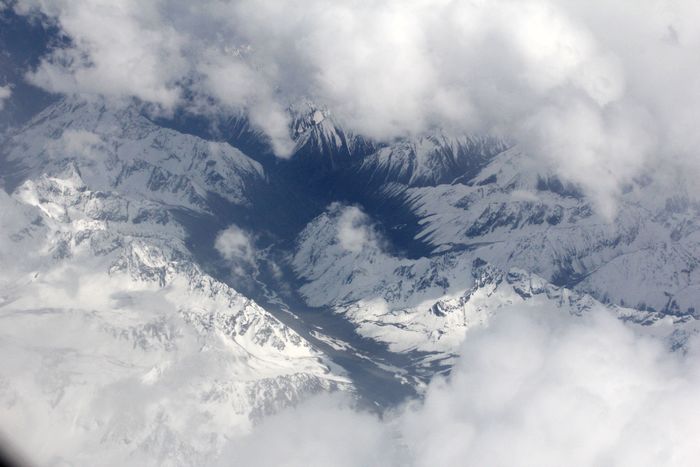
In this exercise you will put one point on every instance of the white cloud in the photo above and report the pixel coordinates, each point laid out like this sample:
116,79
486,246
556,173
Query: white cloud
559,390
235,244
122,48
323,431
532,389
600,92
355,231
5,93
80,143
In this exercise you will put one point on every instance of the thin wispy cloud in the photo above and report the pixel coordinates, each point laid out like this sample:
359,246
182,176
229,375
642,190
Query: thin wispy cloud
5,93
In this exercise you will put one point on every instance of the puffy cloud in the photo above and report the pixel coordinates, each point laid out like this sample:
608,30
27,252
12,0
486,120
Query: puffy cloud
118,49
531,389
599,92
354,229
235,244
5,93
551,389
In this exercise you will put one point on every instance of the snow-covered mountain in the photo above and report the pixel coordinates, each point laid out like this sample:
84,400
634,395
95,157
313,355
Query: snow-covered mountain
366,265
120,149
484,196
429,303
430,160
513,216
321,141
110,328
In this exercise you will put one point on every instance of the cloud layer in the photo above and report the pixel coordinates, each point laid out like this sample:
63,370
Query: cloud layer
532,389
600,92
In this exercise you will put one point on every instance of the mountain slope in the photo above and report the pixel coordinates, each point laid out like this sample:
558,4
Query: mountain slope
514,216
429,160
430,303
116,344
118,148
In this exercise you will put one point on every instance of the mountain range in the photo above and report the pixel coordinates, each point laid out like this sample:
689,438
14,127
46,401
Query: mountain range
361,275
